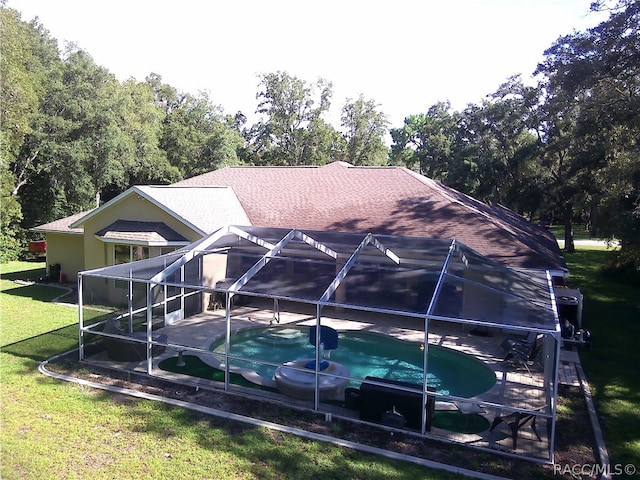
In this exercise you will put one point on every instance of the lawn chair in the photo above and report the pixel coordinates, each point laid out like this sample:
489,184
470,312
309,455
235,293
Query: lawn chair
521,353
513,341
515,421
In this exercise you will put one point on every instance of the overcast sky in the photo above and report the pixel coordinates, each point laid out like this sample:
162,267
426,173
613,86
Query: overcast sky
405,55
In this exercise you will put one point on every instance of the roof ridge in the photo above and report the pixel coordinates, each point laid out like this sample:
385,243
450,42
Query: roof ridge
173,185
269,166
442,189
373,167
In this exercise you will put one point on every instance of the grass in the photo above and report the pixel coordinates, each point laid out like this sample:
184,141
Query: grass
612,314
51,429
579,232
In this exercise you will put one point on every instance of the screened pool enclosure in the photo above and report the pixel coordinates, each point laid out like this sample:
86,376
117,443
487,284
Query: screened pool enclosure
434,298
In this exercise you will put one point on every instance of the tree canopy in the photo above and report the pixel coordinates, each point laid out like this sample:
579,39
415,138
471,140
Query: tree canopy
565,149
592,84
365,127
291,130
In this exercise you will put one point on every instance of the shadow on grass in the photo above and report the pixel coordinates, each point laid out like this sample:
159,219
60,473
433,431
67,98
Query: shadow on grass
27,275
265,453
574,434
45,345
40,292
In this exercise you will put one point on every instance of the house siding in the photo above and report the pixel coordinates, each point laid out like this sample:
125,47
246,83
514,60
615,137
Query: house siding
64,249
133,208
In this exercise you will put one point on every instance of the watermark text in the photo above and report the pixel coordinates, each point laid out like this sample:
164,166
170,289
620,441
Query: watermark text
595,469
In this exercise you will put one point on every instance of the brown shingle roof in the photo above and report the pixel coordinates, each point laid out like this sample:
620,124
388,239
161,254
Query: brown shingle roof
385,200
63,225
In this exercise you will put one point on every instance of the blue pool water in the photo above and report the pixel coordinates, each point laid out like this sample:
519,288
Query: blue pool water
364,354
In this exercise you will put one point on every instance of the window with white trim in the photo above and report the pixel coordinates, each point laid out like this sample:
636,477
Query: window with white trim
129,253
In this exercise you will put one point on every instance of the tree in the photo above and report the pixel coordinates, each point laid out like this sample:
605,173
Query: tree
490,151
593,85
91,135
197,137
27,57
27,53
166,97
141,120
365,127
424,142
291,131
10,217
77,142
557,161
88,139
504,129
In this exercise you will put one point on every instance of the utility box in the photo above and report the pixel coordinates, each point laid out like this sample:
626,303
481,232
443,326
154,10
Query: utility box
54,272
569,301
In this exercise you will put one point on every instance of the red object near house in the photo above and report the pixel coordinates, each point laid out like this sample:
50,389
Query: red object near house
37,247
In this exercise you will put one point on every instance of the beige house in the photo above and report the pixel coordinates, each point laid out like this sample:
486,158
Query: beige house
142,222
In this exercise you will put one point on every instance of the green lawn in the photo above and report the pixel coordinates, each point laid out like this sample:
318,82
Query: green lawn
579,233
51,429
612,314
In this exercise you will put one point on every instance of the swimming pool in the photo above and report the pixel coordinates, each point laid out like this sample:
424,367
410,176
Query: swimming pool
364,354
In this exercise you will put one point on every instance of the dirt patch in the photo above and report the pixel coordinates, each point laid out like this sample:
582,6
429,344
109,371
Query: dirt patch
574,435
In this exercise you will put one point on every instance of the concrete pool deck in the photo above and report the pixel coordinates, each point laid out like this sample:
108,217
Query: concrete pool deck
515,388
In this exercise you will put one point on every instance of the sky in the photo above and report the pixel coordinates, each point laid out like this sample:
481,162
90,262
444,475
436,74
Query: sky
405,55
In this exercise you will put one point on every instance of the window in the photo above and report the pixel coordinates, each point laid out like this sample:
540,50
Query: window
126,254
139,253
129,253
122,254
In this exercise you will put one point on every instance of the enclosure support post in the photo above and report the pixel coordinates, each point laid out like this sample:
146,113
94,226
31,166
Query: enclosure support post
227,340
80,320
432,304
425,370
130,299
149,326
276,310
316,397
182,293
554,400
551,366
164,303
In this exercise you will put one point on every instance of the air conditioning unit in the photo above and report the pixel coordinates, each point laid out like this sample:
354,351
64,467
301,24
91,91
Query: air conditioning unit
569,301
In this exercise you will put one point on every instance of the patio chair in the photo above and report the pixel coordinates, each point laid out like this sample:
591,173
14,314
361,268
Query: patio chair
216,301
521,342
515,421
122,350
521,353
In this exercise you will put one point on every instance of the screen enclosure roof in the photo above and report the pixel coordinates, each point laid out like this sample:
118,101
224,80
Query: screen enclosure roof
420,277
